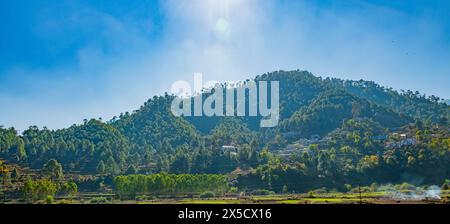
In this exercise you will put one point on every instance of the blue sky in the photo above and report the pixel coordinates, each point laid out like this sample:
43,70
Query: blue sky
63,61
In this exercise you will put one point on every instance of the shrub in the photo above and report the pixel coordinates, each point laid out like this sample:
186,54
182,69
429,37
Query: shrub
406,186
262,192
386,188
64,202
320,191
374,187
49,199
348,187
446,185
99,200
207,194
144,198
233,190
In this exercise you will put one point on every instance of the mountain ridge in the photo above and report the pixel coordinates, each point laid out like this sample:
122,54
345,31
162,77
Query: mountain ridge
320,118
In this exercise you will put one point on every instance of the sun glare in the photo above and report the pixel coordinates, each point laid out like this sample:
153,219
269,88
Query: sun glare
220,14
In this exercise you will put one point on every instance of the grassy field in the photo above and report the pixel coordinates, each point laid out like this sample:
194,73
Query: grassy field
325,198
328,198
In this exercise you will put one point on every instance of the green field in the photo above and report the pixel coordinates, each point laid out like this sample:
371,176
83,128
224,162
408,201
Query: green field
329,198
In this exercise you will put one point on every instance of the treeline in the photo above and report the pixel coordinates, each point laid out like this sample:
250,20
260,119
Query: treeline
46,189
79,147
98,148
169,184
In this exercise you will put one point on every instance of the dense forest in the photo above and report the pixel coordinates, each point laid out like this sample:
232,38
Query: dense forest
332,133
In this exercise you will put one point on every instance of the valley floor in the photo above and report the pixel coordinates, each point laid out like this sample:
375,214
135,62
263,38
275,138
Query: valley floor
338,198
328,198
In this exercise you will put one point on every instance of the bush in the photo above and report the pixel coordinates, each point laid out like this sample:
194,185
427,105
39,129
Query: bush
320,191
386,188
311,194
446,185
233,190
262,192
207,194
348,187
98,200
144,198
49,199
374,187
64,202
363,189
406,186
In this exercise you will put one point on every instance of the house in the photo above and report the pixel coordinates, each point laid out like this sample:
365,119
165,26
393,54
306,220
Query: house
229,149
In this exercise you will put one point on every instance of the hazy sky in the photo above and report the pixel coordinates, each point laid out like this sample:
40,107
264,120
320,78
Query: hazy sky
63,61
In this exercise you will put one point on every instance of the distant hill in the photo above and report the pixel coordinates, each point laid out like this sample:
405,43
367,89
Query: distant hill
332,108
153,138
154,125
303,94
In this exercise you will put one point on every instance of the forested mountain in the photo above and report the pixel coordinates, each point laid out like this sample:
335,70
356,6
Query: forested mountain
363,133
154,126
332,108
80,147
408,102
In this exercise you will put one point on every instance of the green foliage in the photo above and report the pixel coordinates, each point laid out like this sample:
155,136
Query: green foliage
169,184
99,200
79,147
8,140
101,167
207,194
408,102
39,189
262,192
406,186
49,199
53,169
46,189
131,170
154,126
333,108
232,131
70,188
357,122
21,154
446,185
